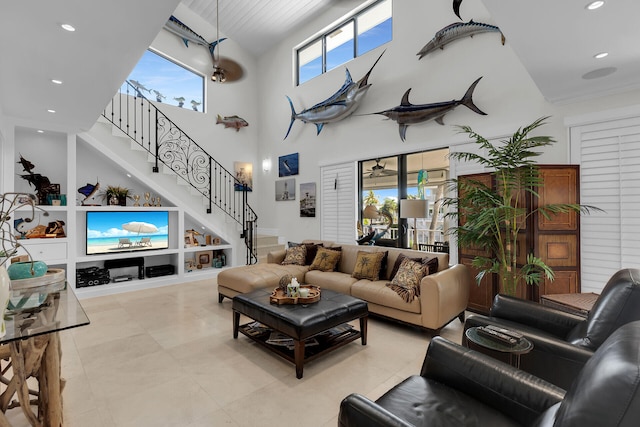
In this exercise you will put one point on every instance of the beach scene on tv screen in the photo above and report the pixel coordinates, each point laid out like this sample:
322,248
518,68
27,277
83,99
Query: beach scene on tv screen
109,232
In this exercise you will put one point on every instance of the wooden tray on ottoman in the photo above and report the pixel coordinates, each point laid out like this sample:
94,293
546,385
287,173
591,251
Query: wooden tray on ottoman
279,296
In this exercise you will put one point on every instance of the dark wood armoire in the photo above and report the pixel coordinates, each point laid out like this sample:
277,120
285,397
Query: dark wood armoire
556,240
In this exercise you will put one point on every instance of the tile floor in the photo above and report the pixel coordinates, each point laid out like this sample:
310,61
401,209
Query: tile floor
166,357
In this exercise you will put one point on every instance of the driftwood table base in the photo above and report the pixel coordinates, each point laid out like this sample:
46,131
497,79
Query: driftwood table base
37,357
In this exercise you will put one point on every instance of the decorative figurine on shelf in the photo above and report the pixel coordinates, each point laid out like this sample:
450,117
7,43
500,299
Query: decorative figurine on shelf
89,191
136,200
55,229
41,183
190,238
147,196
158,201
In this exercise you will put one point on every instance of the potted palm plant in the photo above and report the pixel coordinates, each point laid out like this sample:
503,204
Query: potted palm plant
493,214
116,195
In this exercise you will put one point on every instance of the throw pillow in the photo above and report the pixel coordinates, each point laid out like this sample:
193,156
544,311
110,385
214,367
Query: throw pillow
406,282
368,265
312,249
326,259
430,264
295,255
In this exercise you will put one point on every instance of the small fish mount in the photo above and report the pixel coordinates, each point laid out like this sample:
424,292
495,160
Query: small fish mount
234,122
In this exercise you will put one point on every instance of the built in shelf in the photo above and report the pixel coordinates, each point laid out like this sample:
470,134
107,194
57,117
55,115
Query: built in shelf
206,248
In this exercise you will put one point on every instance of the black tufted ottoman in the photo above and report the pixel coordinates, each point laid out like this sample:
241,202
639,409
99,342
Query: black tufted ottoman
320,321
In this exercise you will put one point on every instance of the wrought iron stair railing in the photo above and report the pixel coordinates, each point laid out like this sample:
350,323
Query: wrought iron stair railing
141,120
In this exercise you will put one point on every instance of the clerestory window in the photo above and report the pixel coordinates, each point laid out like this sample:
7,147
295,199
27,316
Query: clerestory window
357,33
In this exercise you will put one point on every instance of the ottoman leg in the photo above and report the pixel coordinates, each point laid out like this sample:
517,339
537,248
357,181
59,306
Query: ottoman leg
363,329
236,323
298,355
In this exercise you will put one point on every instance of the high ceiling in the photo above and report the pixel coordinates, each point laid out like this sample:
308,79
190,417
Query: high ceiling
258,25
555,40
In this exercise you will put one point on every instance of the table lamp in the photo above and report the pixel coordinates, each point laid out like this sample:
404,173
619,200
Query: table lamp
414,208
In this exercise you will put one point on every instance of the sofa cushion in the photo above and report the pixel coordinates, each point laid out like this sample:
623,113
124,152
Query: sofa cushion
430,264
247,278
312,249
334,280
378,293
295,255
326,259
406,281
368,265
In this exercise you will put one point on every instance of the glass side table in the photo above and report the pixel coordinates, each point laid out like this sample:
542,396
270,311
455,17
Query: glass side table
523,346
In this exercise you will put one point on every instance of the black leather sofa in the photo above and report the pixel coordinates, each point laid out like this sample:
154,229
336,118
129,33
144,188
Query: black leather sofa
460,387
562,342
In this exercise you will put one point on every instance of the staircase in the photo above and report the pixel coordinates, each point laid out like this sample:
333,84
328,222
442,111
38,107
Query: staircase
172,150
266,244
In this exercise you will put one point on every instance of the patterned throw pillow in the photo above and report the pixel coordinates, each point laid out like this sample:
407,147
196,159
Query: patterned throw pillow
326,259
312,249
295,255
368,265
406,282
430,264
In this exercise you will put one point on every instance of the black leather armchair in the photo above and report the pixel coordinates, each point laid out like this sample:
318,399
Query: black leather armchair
460,387
562,342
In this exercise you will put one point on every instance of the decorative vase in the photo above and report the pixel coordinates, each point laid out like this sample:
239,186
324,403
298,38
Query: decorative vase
23,270
5,292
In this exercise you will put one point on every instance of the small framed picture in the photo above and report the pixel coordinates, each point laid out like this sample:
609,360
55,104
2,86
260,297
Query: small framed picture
204,258
288,165
286,189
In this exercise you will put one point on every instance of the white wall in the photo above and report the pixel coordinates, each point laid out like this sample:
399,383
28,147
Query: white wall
506,93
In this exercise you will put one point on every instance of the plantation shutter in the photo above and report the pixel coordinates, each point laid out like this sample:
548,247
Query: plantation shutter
338,189
608,153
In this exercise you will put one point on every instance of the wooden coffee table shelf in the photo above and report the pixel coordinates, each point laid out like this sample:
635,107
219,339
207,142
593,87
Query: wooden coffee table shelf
326,342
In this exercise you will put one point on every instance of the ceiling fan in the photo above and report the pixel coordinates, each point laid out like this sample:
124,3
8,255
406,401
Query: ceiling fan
379,170
224,69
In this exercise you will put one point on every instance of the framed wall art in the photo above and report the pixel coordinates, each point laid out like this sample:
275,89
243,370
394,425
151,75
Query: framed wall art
308,199
286,189
244,174
288,165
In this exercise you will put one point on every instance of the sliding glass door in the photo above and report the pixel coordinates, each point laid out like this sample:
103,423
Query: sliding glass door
385,181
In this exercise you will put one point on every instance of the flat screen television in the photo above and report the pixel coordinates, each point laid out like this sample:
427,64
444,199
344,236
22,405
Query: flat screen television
111,232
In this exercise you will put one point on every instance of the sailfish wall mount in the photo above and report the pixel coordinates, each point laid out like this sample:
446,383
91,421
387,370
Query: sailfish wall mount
175,26
338,106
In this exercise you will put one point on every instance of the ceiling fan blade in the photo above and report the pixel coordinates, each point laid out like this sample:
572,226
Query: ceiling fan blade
231,70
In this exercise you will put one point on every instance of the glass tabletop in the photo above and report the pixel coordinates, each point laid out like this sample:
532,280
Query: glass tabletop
42,310
521,347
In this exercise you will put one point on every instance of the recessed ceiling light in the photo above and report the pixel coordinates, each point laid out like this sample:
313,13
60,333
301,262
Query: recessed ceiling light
601,55
40,131
51,111
56,81
595,5
68,27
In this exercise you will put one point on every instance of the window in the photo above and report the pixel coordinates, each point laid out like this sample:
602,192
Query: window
162,80
385,181
353,36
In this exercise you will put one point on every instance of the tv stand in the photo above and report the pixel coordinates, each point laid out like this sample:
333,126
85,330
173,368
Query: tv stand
127,262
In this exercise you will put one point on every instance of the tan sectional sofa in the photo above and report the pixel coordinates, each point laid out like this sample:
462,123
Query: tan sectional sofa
443,295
